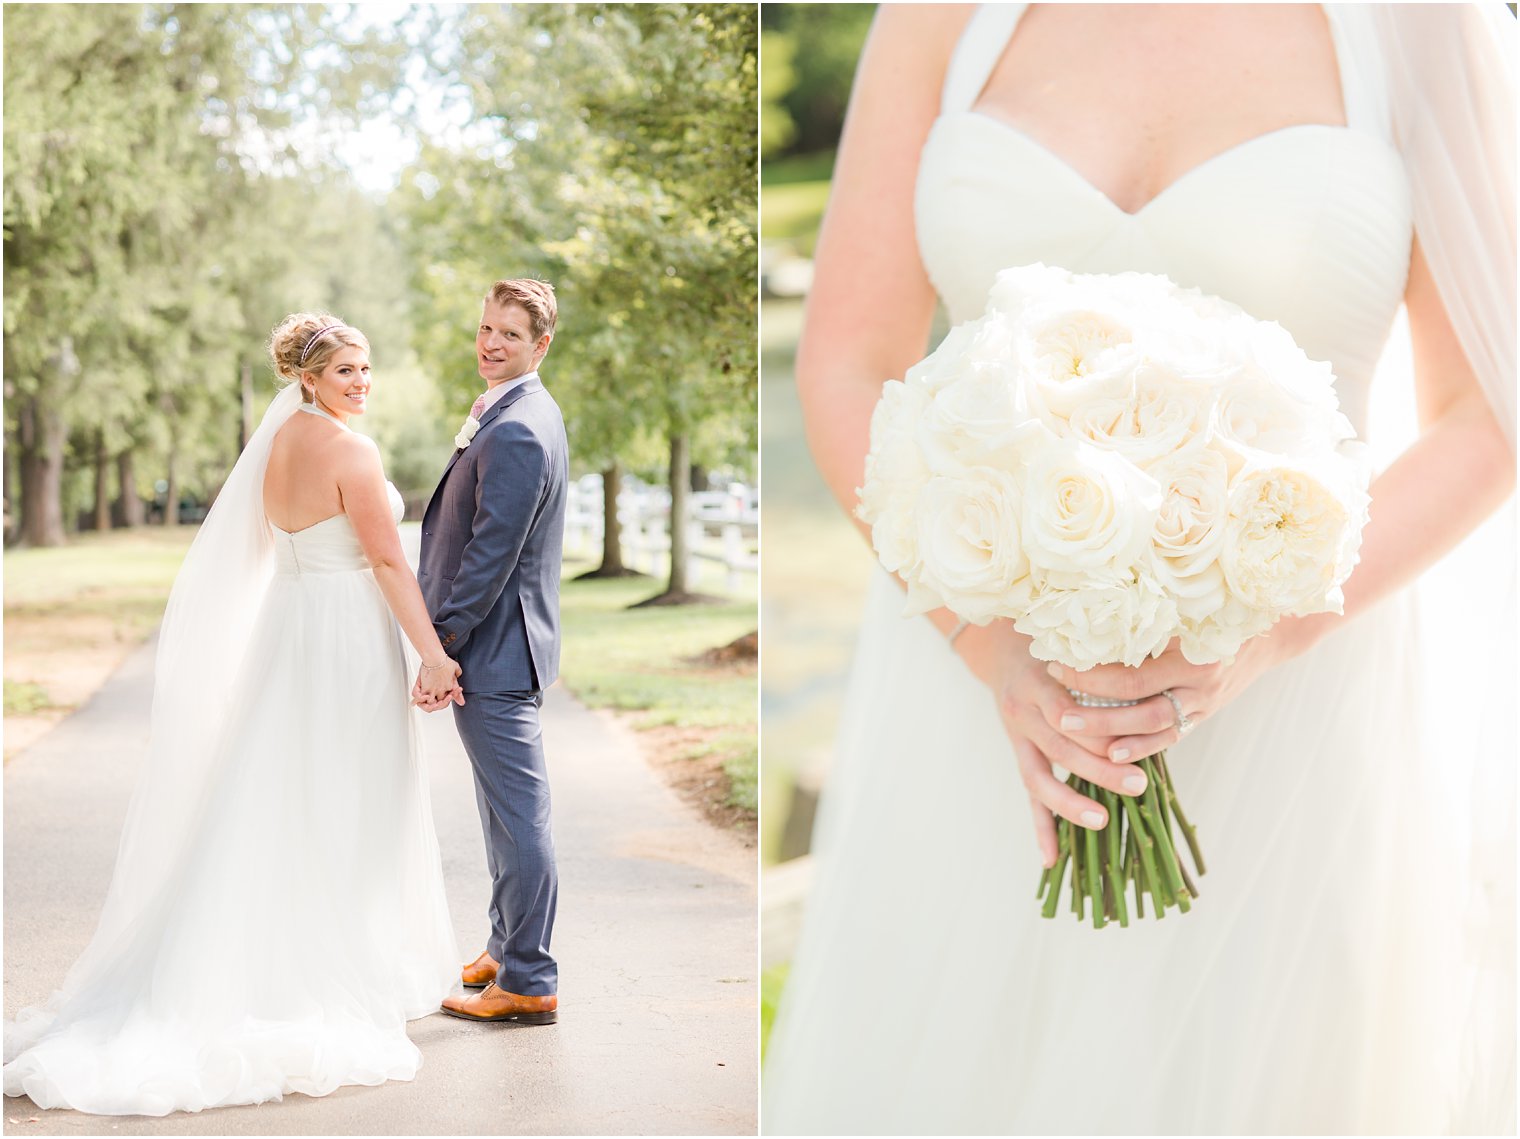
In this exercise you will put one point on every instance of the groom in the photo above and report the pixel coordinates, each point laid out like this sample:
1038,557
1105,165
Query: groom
489,571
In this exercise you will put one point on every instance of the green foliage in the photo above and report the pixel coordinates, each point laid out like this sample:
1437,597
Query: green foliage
823,43
777,78
616,160
22,698
175,185
743,770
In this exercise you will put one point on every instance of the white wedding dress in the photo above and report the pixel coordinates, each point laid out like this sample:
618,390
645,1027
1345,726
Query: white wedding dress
298,920
1314,985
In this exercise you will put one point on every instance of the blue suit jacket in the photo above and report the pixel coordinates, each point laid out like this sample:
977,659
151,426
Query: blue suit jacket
492,538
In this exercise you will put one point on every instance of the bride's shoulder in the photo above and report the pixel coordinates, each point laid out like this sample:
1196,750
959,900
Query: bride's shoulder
904,61
923,34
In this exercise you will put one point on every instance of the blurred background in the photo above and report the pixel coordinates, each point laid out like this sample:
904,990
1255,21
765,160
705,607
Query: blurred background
178,177
816,564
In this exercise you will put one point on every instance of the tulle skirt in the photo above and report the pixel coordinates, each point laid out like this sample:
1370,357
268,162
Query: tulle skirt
1310,989
304,922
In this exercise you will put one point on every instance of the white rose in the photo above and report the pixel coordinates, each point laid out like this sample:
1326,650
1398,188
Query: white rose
1291,537
1070,357
1161,415
1275,398
1086,510
983,347
467,432
1190,525
895,475
1102,620
971,556
1015,290
976,421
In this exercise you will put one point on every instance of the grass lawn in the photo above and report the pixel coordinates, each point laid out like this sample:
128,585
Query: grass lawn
646,661
791,213
74,613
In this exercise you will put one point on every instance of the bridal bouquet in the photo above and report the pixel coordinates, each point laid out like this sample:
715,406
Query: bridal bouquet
1113,462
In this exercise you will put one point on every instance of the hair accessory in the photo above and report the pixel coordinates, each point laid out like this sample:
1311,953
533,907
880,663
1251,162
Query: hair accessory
321,332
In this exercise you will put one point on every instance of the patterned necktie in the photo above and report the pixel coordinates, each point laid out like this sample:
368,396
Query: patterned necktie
477,407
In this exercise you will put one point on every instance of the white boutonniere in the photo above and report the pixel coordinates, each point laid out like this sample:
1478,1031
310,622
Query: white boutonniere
467,432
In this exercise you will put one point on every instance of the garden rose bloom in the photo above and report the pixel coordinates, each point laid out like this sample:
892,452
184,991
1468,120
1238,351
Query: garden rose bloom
1286,541
1160,416
1072,356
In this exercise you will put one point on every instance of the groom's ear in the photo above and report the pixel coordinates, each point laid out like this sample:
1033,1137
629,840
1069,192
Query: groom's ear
541,349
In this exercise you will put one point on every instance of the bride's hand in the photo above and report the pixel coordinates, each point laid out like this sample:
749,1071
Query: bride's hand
1032,705
1129,734
437,685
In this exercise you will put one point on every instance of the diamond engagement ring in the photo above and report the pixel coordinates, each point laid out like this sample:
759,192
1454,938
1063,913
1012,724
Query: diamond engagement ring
1183,724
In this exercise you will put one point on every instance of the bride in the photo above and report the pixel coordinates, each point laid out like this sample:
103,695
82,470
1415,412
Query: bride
277,910
1320,167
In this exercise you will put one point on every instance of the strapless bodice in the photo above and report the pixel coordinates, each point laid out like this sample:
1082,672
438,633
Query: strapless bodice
328,546
1309,226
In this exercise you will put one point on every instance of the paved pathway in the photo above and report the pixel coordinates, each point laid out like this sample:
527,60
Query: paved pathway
656,938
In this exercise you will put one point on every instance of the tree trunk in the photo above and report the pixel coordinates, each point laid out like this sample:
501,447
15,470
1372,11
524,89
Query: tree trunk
102,484
612,532
612,538
676,590
171,496
12,515
129,505
680,495
42,439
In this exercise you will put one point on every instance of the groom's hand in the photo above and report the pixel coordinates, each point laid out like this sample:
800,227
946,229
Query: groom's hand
433,702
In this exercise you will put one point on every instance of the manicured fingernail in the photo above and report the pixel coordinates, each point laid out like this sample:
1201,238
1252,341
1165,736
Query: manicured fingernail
1054,669
1119,754
1072,723
1092,820
1135,784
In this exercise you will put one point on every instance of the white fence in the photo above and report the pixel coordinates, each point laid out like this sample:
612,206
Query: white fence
721,527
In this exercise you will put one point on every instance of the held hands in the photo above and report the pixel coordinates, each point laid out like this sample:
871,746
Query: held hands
437,686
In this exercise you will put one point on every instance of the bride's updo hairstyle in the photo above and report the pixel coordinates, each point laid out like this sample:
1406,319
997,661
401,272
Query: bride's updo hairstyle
306,341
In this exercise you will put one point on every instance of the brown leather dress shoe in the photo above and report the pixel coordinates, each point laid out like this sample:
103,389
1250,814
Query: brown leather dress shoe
492,1004
479,973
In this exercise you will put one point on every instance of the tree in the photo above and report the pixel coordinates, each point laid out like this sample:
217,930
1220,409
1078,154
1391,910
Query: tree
621,166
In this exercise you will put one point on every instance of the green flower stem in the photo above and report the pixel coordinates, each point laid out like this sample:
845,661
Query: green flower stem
1188,831
1154,810
1139,844
1133,865
1090,865
1114,871
1053,897
1146,846
1078,878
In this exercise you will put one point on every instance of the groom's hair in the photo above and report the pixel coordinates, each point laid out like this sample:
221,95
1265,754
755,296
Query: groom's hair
536,298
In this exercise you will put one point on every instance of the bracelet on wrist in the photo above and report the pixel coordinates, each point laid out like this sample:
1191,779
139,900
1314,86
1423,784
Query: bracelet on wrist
441,664
957,631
